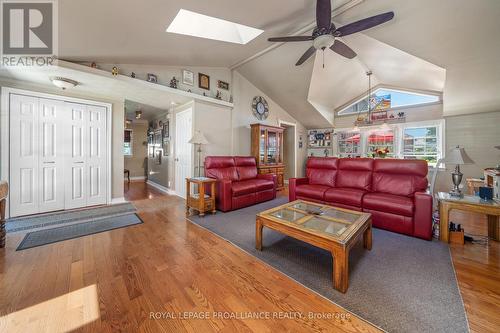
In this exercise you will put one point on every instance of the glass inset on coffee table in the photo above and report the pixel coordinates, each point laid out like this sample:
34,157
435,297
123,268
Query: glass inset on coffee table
330,228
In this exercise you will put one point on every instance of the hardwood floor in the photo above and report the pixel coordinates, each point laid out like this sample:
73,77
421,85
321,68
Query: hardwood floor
118,280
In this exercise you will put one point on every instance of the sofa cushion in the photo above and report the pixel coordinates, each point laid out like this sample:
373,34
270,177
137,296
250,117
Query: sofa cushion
322,170
263,184
243,187
355,173
346,196
316,192
246,167
399,177
388,203
220,167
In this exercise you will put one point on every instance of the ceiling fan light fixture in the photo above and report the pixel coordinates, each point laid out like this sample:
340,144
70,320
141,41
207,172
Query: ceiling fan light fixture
63,83
323,42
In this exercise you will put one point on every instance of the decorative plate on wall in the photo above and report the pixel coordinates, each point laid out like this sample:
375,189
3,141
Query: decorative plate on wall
260,107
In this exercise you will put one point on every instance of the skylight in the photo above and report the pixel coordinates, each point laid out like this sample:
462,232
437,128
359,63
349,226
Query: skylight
389,99
203,26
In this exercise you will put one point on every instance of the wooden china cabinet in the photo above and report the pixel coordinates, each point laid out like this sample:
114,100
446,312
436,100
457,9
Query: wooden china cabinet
267,148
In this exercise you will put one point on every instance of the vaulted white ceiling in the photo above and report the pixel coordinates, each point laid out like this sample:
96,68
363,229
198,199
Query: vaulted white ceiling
447,45
133,32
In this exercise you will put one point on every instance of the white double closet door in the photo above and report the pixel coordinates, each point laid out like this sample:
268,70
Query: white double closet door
58,155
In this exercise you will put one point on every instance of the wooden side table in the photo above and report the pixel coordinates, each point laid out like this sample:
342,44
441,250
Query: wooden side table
200,201
471,204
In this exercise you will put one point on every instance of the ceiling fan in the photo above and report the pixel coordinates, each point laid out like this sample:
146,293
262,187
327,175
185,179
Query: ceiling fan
325,35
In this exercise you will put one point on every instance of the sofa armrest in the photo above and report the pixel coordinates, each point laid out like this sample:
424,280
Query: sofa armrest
422,218
223,195
292,185
269,176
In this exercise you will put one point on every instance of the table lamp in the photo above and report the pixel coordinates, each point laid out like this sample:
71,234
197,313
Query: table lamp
459,157
198,139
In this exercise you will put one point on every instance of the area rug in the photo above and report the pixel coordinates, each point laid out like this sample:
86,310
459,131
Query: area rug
53,235
403,284
67,217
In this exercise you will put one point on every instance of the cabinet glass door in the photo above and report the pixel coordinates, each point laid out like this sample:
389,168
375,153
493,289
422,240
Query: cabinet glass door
262,146
272,147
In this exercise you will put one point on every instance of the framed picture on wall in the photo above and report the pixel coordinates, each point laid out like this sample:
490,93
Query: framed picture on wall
222,85
187,77
203,81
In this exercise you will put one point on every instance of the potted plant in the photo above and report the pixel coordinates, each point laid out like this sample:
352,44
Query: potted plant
381,152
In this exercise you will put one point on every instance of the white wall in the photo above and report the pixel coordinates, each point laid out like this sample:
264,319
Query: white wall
478,133
135,163
244,92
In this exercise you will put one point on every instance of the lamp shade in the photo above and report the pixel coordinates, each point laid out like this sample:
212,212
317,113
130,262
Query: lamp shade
457,156
198,139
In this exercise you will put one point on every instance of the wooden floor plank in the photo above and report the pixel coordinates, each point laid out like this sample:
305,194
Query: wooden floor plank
116,280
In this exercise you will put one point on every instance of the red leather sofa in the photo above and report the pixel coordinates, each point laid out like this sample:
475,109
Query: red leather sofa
238,184
392,190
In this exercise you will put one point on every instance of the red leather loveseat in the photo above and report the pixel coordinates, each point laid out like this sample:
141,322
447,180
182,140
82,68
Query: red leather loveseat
392,190
238,184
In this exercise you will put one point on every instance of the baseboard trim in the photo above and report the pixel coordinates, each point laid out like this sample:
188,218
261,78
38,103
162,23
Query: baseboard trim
161,188
115,201
135,178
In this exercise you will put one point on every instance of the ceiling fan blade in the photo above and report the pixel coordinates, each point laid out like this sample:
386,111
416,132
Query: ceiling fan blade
306,56
342,49
364,24
290,39
323,14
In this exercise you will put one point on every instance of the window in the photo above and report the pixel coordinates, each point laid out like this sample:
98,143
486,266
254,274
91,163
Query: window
381,140
421,143
417,140
127,143
198,25
383,99
349,144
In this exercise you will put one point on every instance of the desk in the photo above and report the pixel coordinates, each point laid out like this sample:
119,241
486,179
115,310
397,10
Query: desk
468,203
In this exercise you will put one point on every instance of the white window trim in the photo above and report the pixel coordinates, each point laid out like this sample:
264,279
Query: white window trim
398,136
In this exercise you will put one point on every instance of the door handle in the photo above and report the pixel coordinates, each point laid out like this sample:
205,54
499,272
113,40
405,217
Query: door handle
49,162
81,162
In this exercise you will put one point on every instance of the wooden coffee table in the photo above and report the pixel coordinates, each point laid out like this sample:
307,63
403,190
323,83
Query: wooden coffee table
330,228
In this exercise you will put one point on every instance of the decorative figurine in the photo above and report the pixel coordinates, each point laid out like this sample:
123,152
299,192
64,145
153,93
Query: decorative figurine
114,71
93,65
231,99
132,75
189,90
152,78
204,94
218,95
173,83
